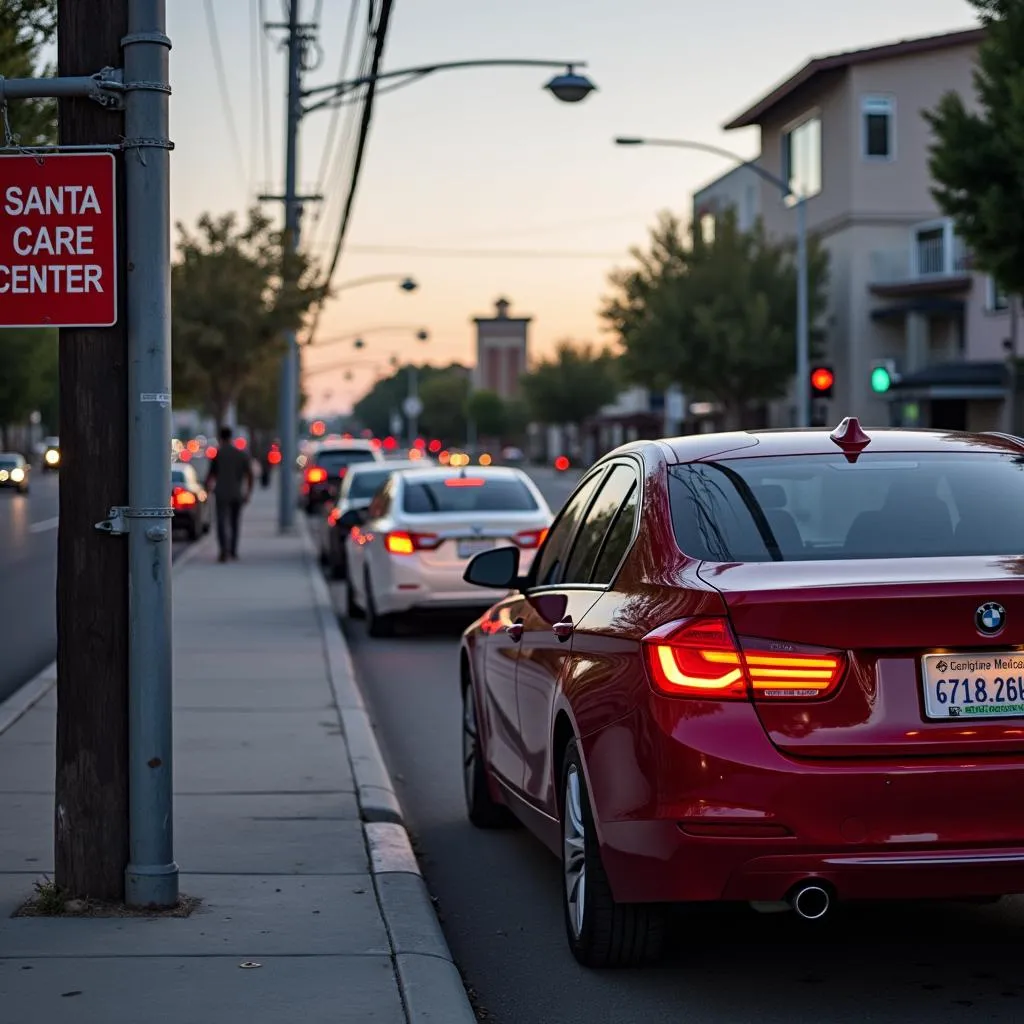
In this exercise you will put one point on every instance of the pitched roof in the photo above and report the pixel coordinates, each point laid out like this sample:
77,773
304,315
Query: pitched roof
839,61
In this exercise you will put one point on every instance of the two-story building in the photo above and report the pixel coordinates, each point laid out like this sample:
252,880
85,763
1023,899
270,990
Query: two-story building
847,131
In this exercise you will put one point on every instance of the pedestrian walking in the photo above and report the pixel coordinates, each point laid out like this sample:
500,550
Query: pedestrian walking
231,479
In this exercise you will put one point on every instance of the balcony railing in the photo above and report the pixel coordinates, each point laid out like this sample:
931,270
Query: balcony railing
934,251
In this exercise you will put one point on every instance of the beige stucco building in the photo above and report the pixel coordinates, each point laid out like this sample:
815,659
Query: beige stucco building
848,132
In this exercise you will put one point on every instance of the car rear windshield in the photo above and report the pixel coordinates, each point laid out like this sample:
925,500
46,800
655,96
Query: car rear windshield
342,458
887,505
366,485
467,494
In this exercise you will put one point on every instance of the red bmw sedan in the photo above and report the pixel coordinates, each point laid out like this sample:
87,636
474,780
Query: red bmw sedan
777,667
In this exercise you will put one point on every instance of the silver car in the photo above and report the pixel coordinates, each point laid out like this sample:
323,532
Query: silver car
411,549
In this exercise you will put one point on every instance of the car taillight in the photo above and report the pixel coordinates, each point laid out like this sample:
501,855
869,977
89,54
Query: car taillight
530,538
334,516
701,658
316,475
398,542
182,498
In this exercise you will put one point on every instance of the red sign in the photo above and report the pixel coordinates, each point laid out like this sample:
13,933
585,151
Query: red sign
58,240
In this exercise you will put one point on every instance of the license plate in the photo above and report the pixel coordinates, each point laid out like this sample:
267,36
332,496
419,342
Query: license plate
469,548
979,685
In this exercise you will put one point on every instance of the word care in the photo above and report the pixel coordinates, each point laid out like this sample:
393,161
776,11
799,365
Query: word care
58,240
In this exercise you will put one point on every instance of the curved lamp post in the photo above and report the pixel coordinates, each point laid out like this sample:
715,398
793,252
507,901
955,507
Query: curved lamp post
802,383
405,282
420,333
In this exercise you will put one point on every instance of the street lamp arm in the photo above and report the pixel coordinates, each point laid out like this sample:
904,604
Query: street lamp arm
371,279
706,147
340,340
336,90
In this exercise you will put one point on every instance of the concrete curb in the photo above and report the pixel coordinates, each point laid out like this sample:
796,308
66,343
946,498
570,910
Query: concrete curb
31,693
428,980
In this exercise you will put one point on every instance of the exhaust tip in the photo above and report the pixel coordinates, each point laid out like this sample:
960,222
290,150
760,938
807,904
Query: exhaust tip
811,901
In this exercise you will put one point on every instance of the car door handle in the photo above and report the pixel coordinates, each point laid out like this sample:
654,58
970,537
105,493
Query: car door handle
563,629
515,631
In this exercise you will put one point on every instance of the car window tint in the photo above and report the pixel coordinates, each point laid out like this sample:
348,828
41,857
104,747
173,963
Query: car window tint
549,561
365,485
382,500
616,541
467,494
599,518
884,505
335,459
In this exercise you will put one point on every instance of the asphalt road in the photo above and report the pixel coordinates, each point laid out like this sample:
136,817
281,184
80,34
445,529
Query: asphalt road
28,579
498,896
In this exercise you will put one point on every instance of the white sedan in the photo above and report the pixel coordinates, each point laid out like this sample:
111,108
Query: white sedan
421,530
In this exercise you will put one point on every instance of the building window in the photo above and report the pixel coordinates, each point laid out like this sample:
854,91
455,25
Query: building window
801,157
707,228
878,119
997,300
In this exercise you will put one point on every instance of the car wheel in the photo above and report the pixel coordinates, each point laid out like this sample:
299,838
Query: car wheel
377,625
481,808
601,932
192,530
338,568
352,610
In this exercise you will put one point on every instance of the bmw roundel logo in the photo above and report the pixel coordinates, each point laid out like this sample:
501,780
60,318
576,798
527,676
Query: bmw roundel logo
990,618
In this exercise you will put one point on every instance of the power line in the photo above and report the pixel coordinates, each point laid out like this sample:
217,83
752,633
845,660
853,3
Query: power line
222,83
380,37
268,161
554,254
255,28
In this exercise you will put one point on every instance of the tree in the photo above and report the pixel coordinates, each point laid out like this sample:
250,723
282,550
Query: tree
573,386
715,316
444,395
977,156
28,357
374,410
487,410
230,307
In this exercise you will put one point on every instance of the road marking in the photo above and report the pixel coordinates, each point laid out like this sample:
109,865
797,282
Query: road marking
44,524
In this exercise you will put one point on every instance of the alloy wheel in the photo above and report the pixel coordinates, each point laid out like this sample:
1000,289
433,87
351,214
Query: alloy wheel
469,744
573,849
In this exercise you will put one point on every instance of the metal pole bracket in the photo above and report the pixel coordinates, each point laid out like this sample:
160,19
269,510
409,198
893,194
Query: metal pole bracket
118,521
108,90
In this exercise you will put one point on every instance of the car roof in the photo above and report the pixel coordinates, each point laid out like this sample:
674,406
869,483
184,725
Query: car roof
813,441
11,455
428,473
388,466
344,444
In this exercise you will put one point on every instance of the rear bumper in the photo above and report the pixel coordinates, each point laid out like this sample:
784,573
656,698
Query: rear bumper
725,816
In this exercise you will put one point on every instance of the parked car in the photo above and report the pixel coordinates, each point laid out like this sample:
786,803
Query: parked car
361,483
190,501
326,466
420,531
14,472
780,666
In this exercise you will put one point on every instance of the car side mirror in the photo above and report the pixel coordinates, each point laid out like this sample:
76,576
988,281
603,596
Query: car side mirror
497,569
353,517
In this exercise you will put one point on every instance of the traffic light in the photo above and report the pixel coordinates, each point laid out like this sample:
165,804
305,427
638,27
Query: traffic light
822,379
883,376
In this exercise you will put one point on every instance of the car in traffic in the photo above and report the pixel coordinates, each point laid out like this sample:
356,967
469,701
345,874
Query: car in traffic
14,472
361,483
51,454
783,667
190,501
413,543
326,466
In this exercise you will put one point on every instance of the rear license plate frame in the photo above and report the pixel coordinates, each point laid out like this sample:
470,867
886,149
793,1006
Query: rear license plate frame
973,686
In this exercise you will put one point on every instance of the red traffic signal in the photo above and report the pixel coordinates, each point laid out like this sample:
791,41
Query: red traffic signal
822,379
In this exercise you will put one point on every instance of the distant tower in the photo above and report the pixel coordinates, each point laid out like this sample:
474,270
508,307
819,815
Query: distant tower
502,348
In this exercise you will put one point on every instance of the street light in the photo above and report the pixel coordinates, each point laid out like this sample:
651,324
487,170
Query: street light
803,355
405,282
420,333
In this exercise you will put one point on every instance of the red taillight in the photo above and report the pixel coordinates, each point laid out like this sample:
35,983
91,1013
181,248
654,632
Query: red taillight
701,658
334,516
530,538
465,481
274,457
182,498
398,542
316,475
211,452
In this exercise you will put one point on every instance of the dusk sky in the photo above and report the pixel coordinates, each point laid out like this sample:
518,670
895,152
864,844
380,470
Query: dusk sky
463,162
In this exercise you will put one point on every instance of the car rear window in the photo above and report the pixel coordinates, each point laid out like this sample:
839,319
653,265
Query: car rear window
885,505
467,494
366,485
342,458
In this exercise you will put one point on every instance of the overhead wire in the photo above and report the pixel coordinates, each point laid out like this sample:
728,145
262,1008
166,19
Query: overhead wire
255,124
380,37
428,251
222,84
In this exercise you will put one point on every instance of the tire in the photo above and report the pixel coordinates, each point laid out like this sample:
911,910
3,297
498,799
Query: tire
352,610
377,625
192,530
339,570
601,932
481,808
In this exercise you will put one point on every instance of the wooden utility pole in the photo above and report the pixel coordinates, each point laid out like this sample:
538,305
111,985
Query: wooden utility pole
91,813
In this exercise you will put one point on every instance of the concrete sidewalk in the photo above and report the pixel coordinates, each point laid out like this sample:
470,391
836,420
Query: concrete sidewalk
287,829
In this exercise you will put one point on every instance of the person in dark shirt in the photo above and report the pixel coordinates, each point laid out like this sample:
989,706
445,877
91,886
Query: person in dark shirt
231,480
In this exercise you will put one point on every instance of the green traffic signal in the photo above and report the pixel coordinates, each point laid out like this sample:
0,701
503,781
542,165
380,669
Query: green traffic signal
881,380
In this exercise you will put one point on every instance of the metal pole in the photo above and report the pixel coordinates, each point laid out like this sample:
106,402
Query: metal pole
803,355
151,878
290,365
414,419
